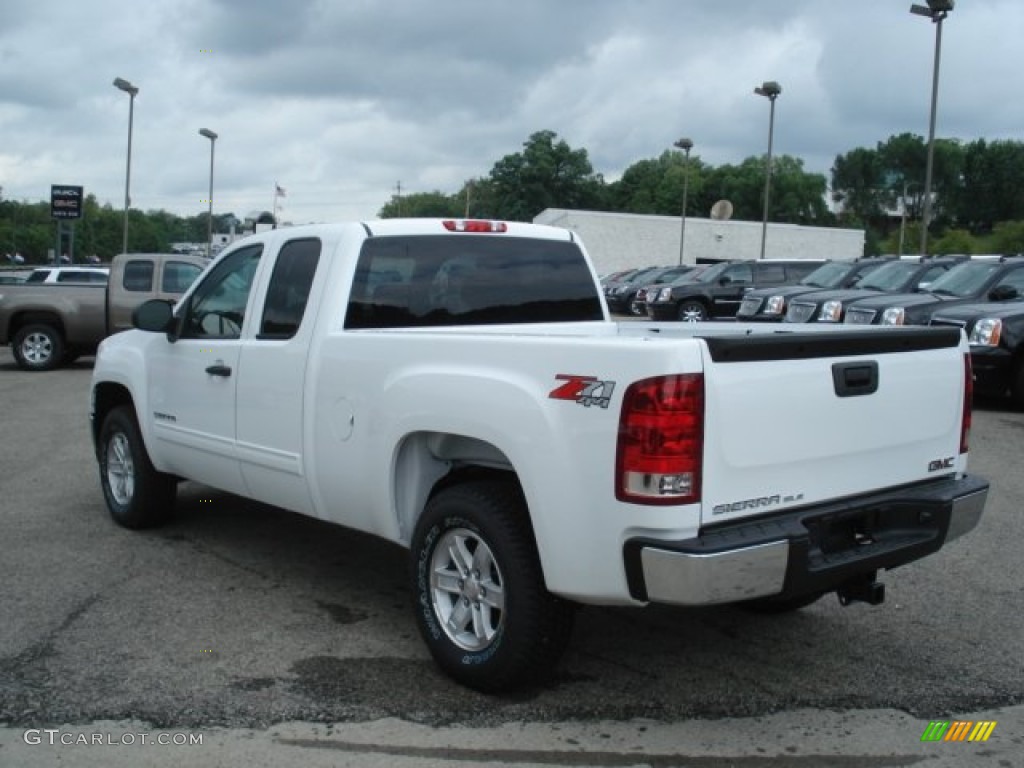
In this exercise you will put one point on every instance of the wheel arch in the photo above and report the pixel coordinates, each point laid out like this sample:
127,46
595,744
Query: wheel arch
107,396
427,462
33,317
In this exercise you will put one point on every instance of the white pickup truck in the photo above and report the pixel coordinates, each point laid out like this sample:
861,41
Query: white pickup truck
457,387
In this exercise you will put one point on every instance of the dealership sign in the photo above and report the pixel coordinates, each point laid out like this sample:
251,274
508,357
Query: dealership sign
65,201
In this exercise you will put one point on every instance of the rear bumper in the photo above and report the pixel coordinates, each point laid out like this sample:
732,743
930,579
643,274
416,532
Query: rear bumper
814,549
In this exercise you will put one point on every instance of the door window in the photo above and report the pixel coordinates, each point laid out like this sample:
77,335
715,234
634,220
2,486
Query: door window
216,310
138,276
178,276
289,289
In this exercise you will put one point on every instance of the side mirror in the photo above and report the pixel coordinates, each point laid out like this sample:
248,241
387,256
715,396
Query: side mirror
724,280
1003,293
155,316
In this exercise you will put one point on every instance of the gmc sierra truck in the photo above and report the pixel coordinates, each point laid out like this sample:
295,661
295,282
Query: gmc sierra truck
457,387
50,322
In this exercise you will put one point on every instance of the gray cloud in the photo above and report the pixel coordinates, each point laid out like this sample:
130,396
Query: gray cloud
337,101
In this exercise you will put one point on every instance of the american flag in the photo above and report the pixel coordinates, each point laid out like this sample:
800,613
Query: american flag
279,190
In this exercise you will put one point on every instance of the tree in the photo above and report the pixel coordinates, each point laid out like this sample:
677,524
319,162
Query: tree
434,204
1008,238
656,186
546,174
954,242
991,190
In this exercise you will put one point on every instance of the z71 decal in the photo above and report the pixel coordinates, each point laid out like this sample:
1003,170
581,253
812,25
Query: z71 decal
585,390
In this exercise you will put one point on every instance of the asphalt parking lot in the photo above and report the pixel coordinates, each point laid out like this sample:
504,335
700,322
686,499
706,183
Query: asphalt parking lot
293,642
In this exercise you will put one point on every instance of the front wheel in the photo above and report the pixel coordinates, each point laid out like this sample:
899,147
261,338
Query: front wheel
480,600
137,495
692,312
38,347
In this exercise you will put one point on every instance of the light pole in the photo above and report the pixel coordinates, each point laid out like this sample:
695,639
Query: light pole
132,91
686,145
770,90
937,11
209,217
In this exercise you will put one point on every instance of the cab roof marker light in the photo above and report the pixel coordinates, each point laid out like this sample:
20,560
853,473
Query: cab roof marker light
474,225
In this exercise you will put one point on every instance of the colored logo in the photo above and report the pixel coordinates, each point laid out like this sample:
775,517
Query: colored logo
585,390
958,730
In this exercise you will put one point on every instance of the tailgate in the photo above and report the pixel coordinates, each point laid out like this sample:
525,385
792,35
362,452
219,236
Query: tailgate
795,419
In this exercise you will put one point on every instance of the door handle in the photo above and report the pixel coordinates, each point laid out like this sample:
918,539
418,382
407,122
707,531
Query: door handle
219,370
855,379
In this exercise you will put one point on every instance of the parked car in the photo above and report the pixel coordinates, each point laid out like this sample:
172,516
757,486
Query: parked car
638,305
619,295
996,335
896,276
718,291
966,283
770,304
49,324
69,275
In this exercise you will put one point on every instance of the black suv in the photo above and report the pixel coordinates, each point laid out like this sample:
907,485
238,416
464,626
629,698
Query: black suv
718,290
968,282
996,335
619,293
894,276
769,304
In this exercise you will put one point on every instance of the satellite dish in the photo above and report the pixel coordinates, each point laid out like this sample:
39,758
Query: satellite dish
721,211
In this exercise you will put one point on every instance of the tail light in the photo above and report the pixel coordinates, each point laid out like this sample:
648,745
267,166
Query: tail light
661,441
965,420
474,225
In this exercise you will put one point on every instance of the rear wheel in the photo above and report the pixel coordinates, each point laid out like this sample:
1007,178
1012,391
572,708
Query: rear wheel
38,347
137,495
692,311
481,604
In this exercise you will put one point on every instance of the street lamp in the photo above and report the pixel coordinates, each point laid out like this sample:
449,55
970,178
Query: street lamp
937,11
209,217
686,145
132,91
770,90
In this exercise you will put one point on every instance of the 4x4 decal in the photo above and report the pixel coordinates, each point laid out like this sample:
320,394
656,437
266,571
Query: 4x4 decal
585,390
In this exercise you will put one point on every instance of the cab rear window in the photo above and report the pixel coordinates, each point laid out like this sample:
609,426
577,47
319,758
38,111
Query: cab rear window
415,281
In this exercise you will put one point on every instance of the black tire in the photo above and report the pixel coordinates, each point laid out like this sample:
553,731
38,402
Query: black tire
775,606
692,311
38,347
137,495
494,627
1017,386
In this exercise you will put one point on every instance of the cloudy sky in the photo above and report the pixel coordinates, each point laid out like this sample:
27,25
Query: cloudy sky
338,101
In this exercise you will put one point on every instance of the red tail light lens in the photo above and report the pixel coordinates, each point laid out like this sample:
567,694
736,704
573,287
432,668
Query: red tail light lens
474,225
661,441
965,421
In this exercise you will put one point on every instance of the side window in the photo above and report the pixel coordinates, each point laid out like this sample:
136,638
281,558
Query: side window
930,274
289,289
38,276
138,276
178,276
1015,279
739,273
771,274
216,309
